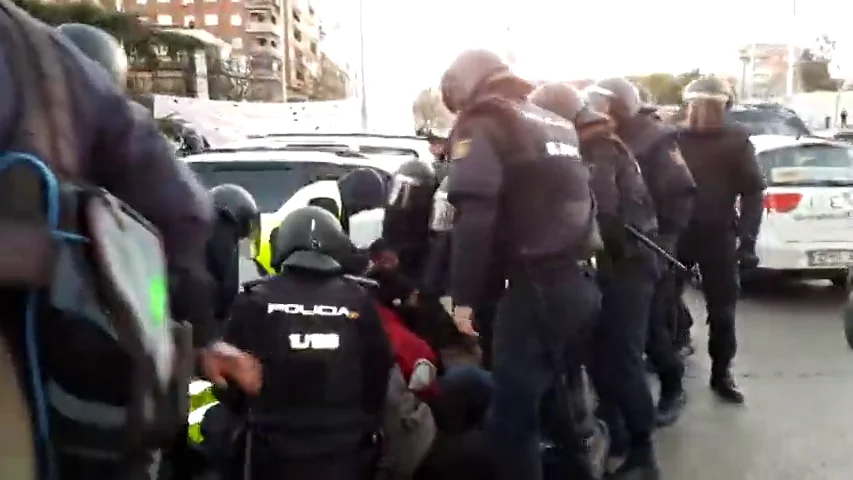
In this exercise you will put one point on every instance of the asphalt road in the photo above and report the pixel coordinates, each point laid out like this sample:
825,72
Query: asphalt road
797,374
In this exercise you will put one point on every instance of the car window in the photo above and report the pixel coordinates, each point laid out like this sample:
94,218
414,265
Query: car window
271,182
808,165
766,121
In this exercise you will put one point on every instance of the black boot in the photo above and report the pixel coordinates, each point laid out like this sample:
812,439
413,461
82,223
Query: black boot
641,464
723,384
670,405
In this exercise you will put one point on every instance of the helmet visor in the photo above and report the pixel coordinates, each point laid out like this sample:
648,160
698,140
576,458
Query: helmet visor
443,213
598,99
402,191
706,112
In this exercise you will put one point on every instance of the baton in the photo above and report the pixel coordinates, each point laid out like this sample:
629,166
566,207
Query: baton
661,252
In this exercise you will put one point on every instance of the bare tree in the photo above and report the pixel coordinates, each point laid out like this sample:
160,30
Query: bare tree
429,111
230,79
329,82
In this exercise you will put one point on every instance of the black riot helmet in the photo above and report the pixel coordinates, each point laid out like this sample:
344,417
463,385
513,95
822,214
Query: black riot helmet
707,100
362,189
310,238
237,205
567,102
472,73
617,97
412,185
101,47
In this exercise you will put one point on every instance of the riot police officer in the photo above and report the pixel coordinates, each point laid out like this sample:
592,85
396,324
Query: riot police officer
627,273
672,188
406,223
237,216
436,271
97,139
361,189
325,354
522,201
722,160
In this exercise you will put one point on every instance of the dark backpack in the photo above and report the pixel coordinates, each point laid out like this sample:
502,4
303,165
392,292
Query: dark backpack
64,244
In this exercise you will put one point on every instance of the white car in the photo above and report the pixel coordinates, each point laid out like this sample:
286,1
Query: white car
285,177
366,143
807,227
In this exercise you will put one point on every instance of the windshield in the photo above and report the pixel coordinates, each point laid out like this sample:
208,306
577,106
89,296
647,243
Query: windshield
770,122
808,165
272,183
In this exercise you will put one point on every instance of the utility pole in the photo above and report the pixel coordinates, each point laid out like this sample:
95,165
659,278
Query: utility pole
792,60
363,86
286,15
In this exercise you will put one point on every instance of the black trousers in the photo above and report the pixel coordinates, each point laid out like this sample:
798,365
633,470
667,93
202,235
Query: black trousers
714,250
661,342
617,368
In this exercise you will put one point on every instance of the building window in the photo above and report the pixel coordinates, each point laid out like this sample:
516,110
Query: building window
272,43
141,2
262,42
314,48
297,35
237,44
187,2
273,19
164,1
211,19
236,20
256,17
189,21
296,17
164,19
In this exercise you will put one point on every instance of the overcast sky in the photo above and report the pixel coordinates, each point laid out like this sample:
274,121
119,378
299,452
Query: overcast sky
408,44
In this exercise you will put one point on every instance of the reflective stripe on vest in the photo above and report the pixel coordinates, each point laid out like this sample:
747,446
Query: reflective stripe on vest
201,400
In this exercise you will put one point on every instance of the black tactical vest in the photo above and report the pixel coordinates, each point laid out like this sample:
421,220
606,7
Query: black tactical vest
547,209
635,204
313,400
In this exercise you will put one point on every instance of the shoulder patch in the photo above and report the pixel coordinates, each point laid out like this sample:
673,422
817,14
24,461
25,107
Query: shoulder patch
460,149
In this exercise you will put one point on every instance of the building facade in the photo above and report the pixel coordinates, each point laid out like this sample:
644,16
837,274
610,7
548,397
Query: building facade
275,43
764,70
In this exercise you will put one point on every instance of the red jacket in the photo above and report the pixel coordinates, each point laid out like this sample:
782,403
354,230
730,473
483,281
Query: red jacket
408,347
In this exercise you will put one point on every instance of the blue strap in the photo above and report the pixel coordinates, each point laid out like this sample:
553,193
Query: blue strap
51,188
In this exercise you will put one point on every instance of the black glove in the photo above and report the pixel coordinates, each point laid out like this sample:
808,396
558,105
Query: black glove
746,255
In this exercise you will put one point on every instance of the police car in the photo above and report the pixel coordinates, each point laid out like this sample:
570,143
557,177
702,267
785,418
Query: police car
286,174
807,228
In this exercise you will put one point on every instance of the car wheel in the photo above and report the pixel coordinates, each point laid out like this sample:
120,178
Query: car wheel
848,321
842,280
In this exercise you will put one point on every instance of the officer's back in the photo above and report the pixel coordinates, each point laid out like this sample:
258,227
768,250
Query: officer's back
325,355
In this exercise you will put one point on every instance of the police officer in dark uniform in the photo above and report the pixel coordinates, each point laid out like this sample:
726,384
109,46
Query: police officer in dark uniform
325,355
627,275
117,148
437,266
522,201
406,223
237,216
723,162
673,190
361,189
